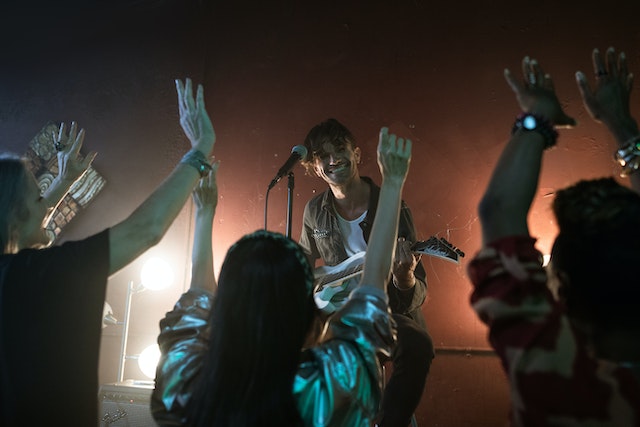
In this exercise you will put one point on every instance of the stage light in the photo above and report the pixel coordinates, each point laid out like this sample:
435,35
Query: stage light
148,360
156,274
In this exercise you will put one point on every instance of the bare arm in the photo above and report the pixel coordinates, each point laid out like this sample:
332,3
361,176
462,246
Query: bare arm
150,221
205,197
394,155
504,207
608,102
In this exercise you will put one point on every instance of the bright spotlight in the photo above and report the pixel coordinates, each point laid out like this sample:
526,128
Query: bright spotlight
148,360
156,274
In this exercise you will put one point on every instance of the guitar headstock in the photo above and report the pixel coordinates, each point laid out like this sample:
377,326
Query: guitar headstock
439,248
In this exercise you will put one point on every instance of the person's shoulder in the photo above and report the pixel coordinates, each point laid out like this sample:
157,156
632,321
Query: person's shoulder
318,200
95,240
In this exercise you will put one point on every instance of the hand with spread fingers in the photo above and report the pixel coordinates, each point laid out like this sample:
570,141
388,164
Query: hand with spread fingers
394,155
71,165
536,93
608,101
194,118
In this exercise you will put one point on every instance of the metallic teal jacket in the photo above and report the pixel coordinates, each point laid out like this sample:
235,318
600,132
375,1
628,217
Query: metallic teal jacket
337,384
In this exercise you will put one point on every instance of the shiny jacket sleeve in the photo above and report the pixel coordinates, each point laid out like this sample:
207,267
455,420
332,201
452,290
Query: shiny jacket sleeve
339,381
183,341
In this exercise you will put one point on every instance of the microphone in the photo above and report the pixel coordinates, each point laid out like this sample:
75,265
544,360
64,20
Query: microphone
298,152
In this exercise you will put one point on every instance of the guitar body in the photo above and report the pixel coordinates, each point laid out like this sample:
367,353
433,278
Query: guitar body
333,284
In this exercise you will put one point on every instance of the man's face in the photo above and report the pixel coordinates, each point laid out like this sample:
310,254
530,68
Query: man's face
337,165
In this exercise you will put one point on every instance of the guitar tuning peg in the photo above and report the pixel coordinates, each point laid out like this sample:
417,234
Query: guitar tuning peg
454,248
443,240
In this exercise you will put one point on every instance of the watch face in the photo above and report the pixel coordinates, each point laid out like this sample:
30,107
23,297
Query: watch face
529,122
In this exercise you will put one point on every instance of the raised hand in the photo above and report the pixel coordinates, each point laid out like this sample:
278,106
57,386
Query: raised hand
205,197
71,166
194,118
608,101
394,156
536,93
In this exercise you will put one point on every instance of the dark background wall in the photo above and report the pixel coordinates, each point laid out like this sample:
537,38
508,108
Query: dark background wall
431,71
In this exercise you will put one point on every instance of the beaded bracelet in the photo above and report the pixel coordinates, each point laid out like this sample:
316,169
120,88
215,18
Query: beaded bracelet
628,156
196,159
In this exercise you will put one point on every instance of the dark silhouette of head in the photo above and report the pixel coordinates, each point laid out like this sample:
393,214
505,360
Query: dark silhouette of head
595,255
261,315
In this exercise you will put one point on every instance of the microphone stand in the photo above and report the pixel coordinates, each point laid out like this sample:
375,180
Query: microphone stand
290,186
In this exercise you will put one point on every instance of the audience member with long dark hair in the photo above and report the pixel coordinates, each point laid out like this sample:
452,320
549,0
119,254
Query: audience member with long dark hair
51,298
238,357
574,359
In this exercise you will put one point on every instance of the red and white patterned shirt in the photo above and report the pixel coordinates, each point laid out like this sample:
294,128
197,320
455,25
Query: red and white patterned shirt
554,380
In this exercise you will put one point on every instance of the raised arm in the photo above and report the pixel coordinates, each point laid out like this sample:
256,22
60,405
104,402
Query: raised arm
505,205
71,166
149,222
205,198
394,155
608,101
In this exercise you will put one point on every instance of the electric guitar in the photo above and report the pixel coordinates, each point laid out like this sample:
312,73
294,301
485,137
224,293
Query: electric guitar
333,284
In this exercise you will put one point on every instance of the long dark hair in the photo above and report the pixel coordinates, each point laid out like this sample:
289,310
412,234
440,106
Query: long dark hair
260,318
13,181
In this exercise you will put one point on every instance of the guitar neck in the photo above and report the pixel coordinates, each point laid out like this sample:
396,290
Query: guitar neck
330,279
331,276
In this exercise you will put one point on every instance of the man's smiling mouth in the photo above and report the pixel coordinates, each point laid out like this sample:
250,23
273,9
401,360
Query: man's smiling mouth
338,167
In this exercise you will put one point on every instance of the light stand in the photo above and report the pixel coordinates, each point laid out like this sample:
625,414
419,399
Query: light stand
131,289
156,274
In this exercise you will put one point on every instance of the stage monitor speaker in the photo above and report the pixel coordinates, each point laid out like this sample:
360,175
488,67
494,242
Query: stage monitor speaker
125,404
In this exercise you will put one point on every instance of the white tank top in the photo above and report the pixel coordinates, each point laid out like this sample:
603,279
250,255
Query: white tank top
352,234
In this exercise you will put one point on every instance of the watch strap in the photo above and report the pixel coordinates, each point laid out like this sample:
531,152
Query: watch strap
196,159
543,127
